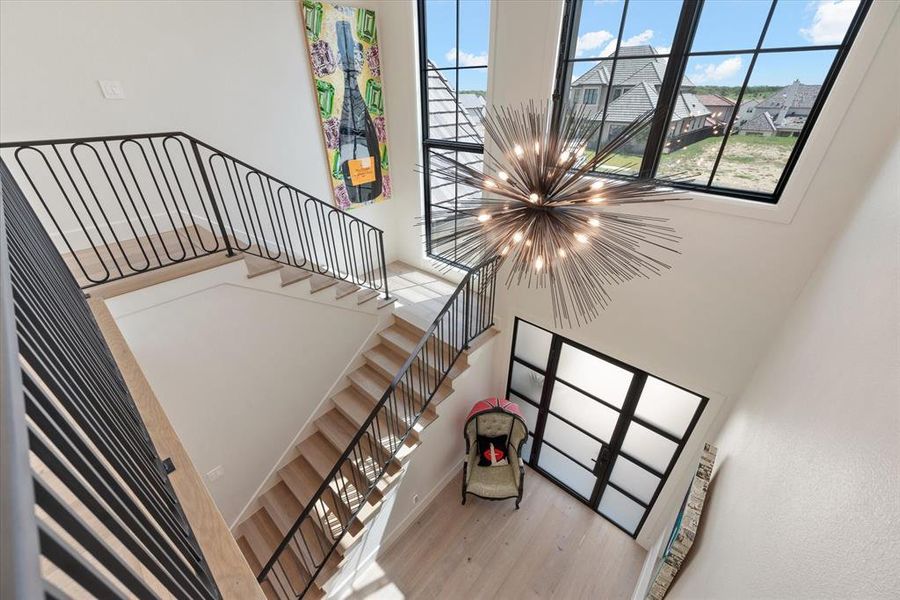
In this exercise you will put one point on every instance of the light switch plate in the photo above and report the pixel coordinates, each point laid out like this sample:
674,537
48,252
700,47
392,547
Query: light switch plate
112,90
214,473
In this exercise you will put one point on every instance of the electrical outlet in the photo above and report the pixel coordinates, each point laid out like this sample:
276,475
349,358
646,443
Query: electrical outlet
112,90
214,473
415,498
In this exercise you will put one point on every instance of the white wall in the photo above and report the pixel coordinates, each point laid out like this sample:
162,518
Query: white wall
239,366
233,74
804,501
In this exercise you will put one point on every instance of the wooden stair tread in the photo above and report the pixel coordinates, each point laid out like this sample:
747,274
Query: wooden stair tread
317,283
322,455
388,361
263,538
365,295
256,568
357,407
304,482
340,431
257,266
344,289
291,275
385,302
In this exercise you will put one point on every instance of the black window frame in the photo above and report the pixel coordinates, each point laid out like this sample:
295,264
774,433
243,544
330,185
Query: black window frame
614,446
679,54
431,144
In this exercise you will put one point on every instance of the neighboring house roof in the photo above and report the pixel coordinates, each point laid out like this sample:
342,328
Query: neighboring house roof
443,108
643,97
646,66
796,96
710,100
761,123
471,101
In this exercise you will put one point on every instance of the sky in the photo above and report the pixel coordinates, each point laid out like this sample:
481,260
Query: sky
724,25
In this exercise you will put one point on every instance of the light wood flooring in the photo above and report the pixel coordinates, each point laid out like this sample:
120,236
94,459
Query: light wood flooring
553,547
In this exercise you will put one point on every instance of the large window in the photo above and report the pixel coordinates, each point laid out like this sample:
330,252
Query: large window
608,433
453,50
737,85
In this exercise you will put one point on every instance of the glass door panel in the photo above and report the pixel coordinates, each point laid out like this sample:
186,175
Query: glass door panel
580,447
526,382
592,374
569,473
620,509
572,405
650,448
668,407
533,344
634,479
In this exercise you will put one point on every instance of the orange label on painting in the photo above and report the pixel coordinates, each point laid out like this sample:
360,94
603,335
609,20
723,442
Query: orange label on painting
362,170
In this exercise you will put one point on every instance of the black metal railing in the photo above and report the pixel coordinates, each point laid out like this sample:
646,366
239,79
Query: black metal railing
326,518
119,206
88,509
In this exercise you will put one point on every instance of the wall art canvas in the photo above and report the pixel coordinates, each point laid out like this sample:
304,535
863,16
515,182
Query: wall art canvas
343,51
684,531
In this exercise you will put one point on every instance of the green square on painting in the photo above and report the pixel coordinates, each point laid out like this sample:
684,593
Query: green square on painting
325,94
336,172
365,25
312,15
384,158
374,99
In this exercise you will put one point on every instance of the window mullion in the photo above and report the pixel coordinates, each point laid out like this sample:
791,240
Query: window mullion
668,94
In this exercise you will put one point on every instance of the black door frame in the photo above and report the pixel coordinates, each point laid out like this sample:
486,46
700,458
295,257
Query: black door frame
610,451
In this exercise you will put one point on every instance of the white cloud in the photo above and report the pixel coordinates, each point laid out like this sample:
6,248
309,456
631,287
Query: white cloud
717,72
830,22
467,59
591,41
635,40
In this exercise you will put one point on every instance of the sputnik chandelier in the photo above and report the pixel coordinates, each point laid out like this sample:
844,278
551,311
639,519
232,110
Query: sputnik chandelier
542,209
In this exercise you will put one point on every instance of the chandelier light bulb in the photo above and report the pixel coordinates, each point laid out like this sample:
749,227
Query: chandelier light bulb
564,156
596,199
597,185
502,175
580,152
490,183
537,147
517,237
594,222
518,151
561,252
505,250
483,217
538,263
533,198
528,243
581,237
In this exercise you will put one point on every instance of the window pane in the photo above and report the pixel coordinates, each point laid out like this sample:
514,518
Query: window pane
718,31
440,34
598,28
472,93
782,90
533,344
650,23
526,382
648,447
620,508
474,32
703,109
594,375
589,414
571,441
580,480
668,407
635,90
634,479
810,23
442,105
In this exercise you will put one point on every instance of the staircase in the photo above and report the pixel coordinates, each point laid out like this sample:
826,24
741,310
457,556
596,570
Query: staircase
356,488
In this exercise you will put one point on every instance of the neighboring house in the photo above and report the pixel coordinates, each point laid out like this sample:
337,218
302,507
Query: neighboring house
720,109
784,113
474,106
633,90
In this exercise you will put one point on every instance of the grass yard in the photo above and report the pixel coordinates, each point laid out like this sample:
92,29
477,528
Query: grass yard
748,163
